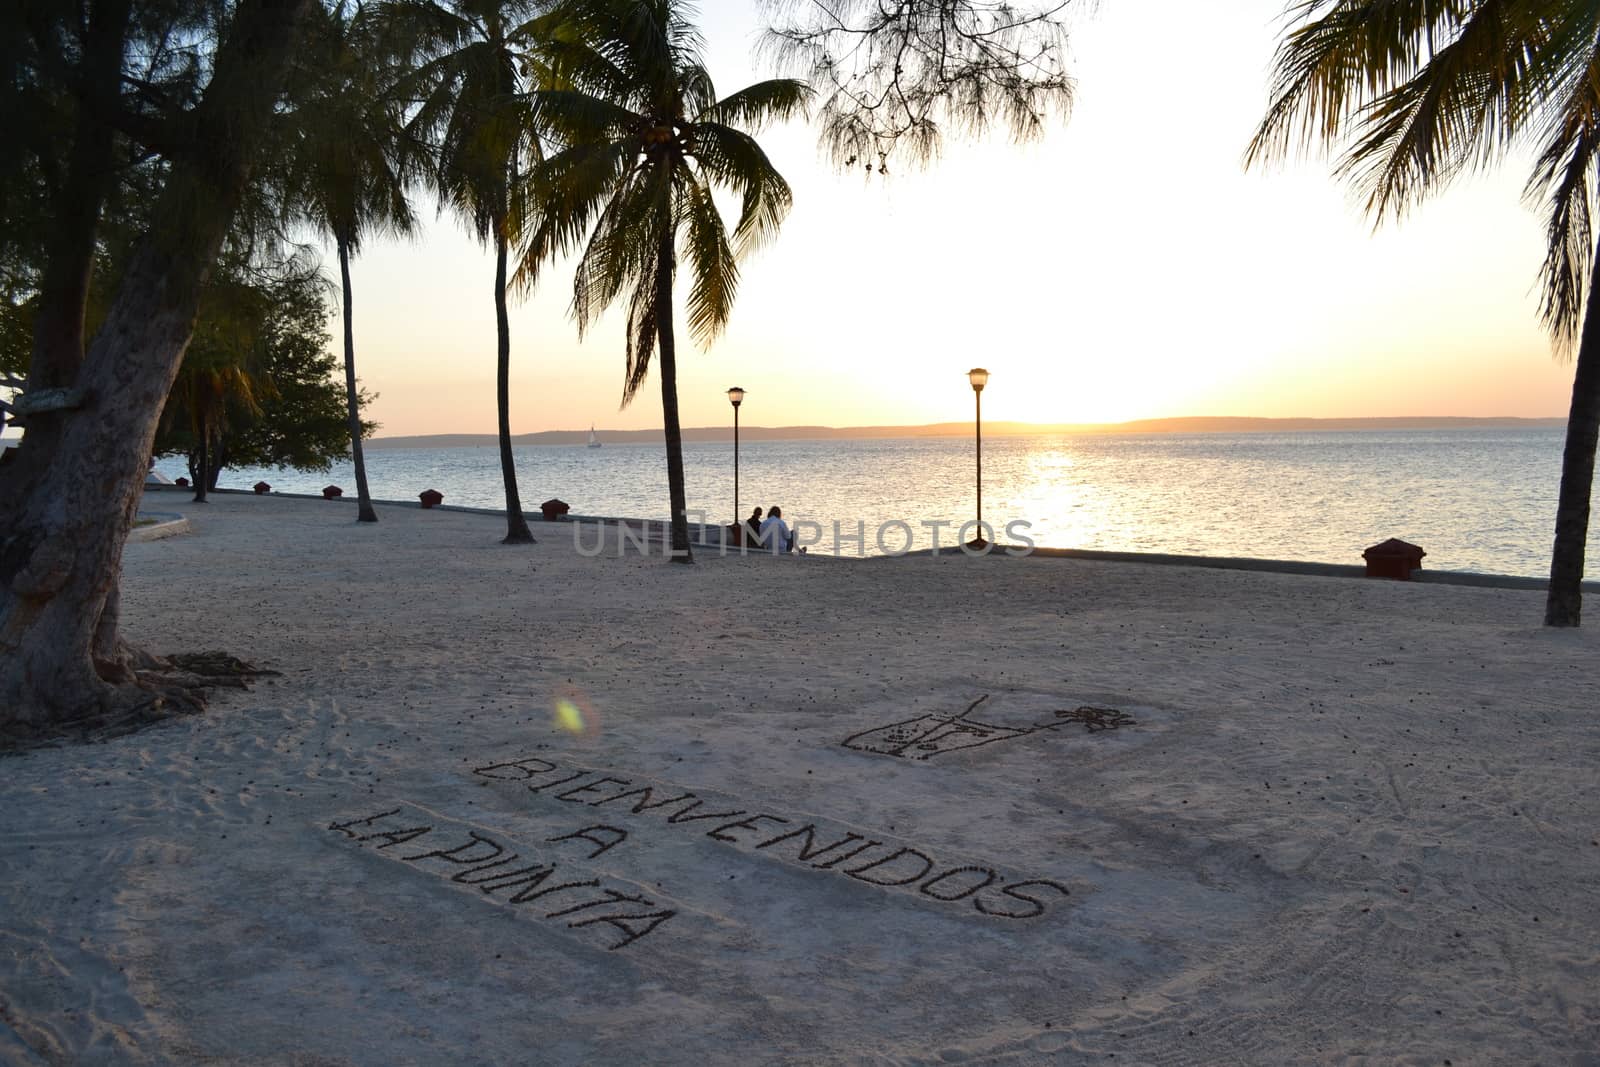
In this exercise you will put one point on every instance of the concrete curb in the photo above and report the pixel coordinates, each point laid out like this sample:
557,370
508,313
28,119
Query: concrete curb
1160,559
1271,566
171,524
647,526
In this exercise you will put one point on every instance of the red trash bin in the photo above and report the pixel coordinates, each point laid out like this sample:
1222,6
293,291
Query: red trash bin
1393,558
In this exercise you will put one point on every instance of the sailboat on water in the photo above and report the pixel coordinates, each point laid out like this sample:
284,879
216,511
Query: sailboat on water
594,442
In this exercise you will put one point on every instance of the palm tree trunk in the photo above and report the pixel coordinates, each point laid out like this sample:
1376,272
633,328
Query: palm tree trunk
352,403
517,532
1564,602
668,372
202,474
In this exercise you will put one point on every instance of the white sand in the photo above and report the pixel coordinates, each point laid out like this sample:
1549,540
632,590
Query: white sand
1356,821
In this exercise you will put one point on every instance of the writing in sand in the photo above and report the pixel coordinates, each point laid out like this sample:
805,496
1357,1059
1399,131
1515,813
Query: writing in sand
510,873
788,838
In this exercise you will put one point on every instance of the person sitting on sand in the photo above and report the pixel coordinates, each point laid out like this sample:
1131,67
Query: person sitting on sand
753,524
775,533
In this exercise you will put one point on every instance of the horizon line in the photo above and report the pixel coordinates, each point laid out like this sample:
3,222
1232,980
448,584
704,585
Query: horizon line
1011,427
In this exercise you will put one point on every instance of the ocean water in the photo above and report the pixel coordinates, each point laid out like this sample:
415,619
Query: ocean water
1476,500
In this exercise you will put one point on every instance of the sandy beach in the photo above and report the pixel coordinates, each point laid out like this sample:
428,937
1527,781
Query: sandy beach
510,805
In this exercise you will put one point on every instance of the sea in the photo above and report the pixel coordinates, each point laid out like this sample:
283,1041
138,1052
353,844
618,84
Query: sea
1475,499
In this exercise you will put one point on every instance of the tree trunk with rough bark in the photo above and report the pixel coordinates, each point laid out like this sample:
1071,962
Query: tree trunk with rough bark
668,372
1564,601
364,510
76,204
217,461
61,543
517,532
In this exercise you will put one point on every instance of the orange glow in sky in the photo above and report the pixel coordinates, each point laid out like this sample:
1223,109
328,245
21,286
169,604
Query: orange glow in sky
1126,267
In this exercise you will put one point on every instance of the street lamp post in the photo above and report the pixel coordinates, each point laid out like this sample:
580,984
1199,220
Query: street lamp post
979,378
735,397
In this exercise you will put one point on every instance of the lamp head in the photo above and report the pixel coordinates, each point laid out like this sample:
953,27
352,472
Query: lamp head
979,378
735,395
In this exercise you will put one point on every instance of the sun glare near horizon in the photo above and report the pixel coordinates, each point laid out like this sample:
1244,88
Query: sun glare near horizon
1125,267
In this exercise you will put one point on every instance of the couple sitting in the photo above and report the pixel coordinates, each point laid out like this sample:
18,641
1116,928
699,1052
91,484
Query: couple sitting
772,533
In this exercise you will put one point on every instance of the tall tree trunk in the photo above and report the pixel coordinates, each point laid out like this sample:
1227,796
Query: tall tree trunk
364,511
76,203
217,461
517,532
61,545
1564,601
668,372
202,475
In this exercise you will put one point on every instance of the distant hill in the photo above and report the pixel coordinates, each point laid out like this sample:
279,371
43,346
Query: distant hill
1192,424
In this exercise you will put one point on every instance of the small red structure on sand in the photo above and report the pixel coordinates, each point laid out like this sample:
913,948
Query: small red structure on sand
1393,559
430,497
332,492
261,487
553,509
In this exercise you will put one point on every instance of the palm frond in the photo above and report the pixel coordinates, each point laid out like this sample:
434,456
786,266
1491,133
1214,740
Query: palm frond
1461,110
626,234
408,30
714,273
644,40
1564,178
692,92
1427,89
566,62
465,98
348,166
755,105
733,158
561,198
1347,53
571,117
643,327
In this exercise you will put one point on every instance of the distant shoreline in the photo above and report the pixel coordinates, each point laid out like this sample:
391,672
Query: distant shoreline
1195,424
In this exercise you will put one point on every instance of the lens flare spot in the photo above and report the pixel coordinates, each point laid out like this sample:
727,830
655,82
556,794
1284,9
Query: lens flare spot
573,713
569,716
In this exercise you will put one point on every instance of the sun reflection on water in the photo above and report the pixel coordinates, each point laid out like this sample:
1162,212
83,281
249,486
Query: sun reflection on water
1475,499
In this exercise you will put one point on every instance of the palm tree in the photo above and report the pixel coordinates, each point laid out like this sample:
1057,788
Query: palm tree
206,387
467,85
221,368
348,170
642,140
1424,92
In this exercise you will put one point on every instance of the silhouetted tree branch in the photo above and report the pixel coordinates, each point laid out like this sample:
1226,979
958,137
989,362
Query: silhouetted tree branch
896,75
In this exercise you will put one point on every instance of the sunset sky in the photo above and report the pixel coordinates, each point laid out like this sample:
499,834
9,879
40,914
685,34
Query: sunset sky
1126,267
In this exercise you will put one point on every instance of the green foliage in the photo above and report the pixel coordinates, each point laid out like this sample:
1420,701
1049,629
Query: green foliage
16,334
641,142
466,57
1414,94
261,377
347,156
